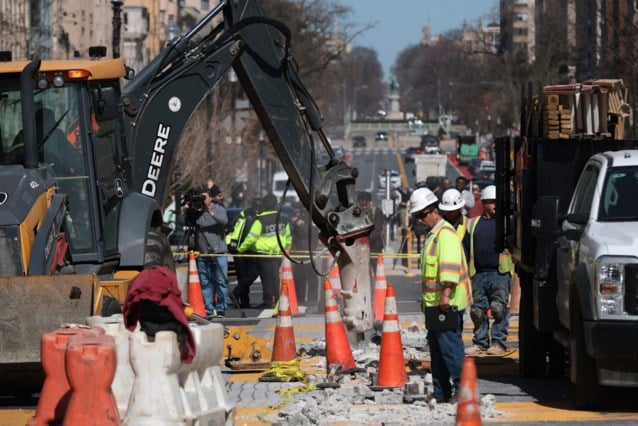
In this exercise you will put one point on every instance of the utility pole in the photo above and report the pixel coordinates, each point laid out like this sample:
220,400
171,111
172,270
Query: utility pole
117,26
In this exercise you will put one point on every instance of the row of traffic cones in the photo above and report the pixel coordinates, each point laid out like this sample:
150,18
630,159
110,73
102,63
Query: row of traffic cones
391,372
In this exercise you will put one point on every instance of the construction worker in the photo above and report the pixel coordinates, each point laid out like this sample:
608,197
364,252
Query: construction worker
262,241
451,208
445,284
491,279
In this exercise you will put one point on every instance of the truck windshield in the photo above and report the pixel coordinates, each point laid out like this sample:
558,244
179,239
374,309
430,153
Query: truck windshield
619,202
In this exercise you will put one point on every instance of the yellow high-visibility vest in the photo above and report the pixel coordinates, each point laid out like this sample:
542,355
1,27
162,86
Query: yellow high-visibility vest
505,263
443,260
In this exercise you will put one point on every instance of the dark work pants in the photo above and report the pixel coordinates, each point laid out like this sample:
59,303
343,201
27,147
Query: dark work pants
265,268
447,354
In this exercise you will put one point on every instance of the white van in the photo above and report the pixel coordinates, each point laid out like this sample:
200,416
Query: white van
279,181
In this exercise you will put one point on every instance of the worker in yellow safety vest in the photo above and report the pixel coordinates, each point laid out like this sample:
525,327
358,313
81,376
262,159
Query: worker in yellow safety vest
445,287
451,207
491,280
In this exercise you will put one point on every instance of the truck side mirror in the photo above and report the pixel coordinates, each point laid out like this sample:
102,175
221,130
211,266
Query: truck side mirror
105,103
544,222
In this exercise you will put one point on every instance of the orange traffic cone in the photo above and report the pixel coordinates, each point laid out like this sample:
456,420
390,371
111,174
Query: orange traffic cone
284,347
338,349
468,411
195,297
380,287
287,277
335,280
391,372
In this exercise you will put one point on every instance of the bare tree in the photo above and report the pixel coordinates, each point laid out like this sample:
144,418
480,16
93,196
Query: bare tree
208,147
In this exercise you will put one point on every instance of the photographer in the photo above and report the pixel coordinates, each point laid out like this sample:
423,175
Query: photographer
209,215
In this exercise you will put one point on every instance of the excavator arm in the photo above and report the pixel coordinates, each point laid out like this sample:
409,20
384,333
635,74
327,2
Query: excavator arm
159,102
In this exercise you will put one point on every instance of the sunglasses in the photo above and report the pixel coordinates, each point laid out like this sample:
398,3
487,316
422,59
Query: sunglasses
422,214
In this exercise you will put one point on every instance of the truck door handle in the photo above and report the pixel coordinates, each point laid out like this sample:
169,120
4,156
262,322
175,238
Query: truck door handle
119,190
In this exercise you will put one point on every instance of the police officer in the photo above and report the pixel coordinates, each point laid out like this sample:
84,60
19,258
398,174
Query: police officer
243,265
445,289
491,279
262,240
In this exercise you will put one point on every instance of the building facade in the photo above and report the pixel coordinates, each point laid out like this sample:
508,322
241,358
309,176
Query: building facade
518,27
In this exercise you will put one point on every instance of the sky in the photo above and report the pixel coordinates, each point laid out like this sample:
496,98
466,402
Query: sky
399,23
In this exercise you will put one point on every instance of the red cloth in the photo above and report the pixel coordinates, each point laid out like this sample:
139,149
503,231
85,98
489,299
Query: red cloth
477,210
158,284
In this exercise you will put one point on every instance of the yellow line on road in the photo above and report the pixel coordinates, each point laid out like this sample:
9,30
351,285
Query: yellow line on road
548,412
404,178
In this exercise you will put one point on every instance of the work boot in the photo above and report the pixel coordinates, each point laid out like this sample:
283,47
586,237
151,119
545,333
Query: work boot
496,350
475,350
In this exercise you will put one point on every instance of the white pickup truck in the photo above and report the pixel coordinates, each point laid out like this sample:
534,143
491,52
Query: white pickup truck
596,261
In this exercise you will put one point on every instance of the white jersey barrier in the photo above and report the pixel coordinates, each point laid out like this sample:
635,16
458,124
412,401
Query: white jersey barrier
160,390
124,375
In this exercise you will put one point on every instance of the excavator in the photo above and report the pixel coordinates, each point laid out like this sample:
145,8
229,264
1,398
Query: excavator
85,163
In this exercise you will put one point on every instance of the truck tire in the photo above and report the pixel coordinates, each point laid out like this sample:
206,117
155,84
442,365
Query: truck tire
585,387
533,345
158,251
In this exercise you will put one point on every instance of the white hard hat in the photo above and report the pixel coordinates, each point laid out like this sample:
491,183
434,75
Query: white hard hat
488,193
422,198
451,200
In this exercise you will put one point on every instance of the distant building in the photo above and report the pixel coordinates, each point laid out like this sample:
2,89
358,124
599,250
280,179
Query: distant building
518,27
483,40
588,37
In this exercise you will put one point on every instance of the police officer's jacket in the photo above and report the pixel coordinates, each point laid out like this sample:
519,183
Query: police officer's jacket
262,237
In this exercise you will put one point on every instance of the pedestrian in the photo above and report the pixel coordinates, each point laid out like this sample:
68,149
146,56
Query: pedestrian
491,280
375,215
211,242
169,215
444,186
445,293
304,243
262,240
451,207
243,265
461,186
477,210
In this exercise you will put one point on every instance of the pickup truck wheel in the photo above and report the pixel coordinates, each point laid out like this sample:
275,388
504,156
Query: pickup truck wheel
585,388
532,343
158,251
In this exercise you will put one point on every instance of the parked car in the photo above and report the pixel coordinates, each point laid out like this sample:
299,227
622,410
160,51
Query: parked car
410,153
395,179
359,141
381,136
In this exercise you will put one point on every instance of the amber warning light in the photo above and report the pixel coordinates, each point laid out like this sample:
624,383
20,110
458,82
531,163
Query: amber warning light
78,74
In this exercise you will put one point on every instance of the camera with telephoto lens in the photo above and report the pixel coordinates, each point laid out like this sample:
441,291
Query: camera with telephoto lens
194,201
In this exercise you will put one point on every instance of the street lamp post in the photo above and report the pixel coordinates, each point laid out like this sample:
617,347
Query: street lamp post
354,108
117,26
